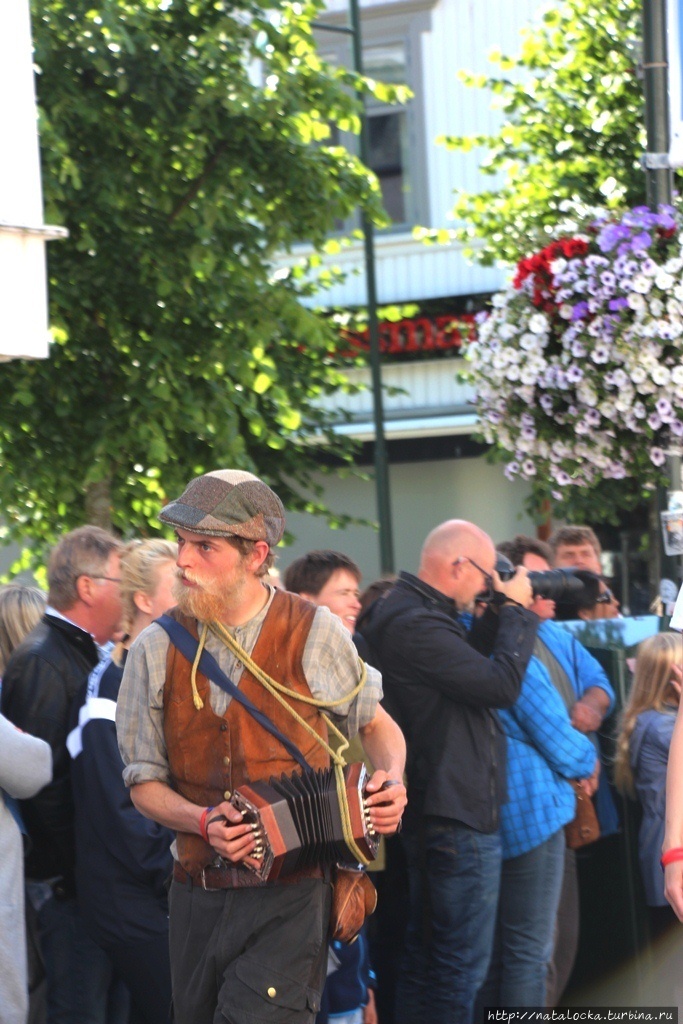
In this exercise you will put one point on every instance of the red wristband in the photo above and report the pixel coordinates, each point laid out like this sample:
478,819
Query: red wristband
675,853
202,824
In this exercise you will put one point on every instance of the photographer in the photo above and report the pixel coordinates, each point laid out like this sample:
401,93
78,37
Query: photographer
441,685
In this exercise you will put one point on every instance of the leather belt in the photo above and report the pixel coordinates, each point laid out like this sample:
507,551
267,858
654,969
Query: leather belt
213,877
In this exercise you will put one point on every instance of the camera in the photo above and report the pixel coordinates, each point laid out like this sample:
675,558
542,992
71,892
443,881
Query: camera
554,584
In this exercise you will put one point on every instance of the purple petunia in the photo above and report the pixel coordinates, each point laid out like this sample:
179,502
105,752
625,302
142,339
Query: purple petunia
611,235
641,242
579,311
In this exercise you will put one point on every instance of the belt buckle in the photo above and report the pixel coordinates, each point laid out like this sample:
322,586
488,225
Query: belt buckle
205,887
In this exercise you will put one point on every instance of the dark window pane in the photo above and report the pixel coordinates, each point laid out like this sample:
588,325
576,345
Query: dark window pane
386,160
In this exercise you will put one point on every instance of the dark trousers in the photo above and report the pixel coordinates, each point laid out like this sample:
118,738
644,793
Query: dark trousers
79,974
454,874
145,970
249,956
527,911
566,941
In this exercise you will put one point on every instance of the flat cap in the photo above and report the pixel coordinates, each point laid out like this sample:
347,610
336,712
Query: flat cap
228,502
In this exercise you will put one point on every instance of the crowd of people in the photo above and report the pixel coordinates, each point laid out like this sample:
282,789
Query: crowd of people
156,678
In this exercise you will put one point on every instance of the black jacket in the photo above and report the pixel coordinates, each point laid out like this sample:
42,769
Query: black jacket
440,685
41,679
123,860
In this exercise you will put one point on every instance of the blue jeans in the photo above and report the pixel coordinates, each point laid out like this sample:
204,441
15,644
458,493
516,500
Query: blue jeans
454,878
529,897
79,974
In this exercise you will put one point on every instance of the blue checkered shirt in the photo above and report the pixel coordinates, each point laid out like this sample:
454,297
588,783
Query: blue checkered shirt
543,751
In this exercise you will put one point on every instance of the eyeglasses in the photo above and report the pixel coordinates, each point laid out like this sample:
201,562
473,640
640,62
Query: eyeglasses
111,579
488,578
606,598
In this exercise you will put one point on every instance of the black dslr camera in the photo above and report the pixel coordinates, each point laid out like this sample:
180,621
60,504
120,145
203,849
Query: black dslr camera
554,584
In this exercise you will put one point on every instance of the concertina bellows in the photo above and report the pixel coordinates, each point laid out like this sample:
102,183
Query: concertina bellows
303,819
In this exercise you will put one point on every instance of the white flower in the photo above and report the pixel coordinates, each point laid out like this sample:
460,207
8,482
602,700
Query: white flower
640,283
661,375
600,354
664,281
636,301
538,324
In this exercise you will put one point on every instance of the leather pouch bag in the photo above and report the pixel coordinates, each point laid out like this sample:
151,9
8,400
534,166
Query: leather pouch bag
354,898
584,828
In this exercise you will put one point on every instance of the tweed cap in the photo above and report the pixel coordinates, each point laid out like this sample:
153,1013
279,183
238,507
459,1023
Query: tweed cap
228,502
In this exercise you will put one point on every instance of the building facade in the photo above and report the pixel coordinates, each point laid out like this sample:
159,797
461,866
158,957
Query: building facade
437,470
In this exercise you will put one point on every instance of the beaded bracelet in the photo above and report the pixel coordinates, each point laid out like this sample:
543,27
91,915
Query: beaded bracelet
675,853
202,824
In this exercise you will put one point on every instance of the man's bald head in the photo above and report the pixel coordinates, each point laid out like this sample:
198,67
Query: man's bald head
448,554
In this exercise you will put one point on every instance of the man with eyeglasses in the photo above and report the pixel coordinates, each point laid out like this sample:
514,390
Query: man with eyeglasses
442,685
42,676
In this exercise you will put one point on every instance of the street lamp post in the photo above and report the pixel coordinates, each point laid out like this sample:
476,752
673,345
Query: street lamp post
659,184
381,461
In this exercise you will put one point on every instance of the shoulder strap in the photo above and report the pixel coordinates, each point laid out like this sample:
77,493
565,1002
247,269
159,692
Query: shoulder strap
208,666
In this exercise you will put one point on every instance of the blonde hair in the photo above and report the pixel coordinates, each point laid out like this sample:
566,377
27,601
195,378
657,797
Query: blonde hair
140,565
21,608
650,690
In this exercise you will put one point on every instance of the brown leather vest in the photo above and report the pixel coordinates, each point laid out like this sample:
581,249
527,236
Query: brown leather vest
211,755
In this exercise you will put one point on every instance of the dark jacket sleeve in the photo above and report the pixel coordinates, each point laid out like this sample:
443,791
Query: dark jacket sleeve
437,652
142,846
36,700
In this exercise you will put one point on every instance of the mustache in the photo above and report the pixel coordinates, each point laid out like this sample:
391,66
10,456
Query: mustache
182,574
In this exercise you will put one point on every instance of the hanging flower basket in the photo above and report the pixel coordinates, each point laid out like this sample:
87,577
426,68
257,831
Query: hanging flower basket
579,366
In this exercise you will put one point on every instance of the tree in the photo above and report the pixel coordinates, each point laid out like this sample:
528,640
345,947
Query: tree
183,146
573,131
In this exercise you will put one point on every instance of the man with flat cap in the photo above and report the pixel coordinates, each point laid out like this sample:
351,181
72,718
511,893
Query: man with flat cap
243,951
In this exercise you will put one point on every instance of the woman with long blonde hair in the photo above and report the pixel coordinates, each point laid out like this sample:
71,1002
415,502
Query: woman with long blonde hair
643,752
21,608
122,859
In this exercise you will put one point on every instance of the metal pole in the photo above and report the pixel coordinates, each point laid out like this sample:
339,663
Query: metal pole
658,176
386,543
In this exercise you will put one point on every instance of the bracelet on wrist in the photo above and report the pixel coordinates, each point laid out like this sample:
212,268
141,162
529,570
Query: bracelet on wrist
202,824
674,854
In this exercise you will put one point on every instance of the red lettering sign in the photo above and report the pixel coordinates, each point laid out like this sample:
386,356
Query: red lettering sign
419,334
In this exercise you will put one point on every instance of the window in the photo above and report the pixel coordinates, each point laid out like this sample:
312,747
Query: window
389,155
391,49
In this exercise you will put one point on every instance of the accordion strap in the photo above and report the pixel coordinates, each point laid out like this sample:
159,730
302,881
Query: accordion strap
280,692
208,666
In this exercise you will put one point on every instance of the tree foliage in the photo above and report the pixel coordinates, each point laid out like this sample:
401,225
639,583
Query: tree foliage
572,133
184,143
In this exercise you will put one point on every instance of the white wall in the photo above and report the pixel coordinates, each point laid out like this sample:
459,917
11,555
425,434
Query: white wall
423,494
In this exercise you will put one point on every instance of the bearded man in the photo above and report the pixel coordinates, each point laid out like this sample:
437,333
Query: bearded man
243,951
